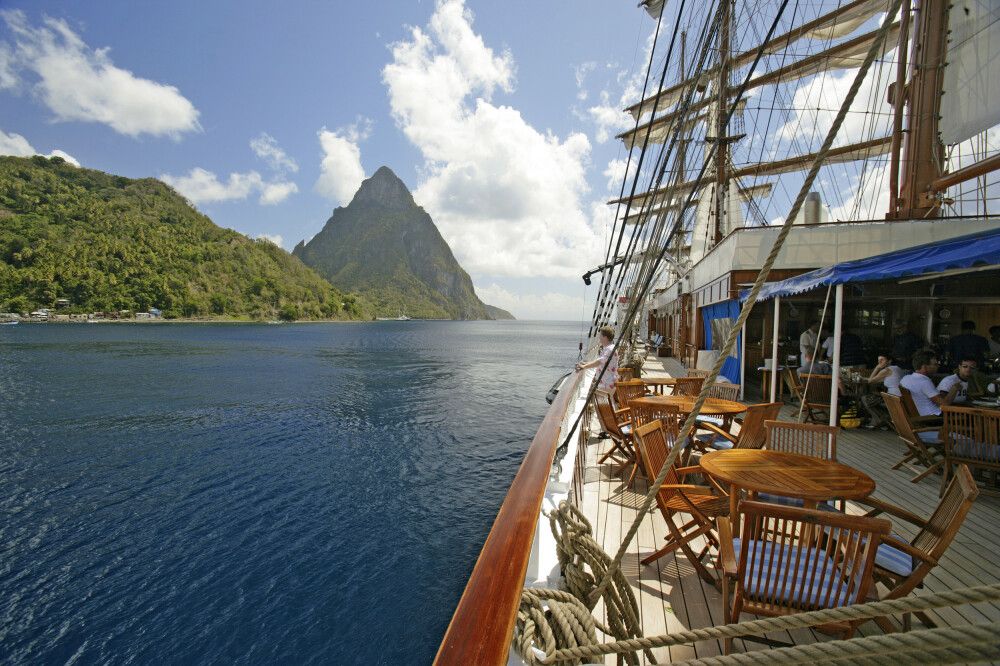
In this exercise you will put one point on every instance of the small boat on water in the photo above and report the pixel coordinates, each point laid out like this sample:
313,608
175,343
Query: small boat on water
8,323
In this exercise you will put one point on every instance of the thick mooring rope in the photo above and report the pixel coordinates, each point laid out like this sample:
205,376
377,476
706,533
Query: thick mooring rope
582,561
982,641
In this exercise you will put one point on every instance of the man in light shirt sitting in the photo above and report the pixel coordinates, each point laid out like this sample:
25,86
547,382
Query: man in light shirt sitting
926,396
964,374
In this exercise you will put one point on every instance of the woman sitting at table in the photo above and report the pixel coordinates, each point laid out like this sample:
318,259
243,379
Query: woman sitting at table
888,373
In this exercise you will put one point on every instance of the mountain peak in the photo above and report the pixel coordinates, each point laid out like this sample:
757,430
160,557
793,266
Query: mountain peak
386,189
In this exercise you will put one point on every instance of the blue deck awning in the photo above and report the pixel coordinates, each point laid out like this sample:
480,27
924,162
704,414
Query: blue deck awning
979,249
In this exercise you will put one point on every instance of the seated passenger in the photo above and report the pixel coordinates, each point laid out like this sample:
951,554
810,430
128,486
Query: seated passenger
809,367
926,396
888,373
964,374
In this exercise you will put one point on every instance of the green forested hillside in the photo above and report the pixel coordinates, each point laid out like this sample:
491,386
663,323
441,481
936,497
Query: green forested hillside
112,243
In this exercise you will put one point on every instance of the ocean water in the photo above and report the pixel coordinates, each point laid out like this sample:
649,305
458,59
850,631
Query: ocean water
254,494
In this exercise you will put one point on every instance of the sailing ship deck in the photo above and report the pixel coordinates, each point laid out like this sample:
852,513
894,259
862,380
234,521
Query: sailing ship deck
672,597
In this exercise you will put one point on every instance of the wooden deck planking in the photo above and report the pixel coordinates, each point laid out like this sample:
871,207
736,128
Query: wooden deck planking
672,597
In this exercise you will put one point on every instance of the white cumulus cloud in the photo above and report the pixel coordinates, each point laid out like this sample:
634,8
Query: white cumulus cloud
16,145
275,193
266,148
506,196
202,186
77,82
341,171
272,238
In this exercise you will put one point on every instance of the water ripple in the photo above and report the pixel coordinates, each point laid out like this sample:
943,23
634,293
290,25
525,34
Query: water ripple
255,494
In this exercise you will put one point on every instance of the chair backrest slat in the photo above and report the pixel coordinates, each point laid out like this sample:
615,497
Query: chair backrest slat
752,434
900,420
817,388
655,440
947,519
724,391
628,390
971,434
688,385
818,441
606,414
644,414
793,560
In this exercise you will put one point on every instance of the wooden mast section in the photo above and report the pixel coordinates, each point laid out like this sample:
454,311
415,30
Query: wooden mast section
923,155
721,125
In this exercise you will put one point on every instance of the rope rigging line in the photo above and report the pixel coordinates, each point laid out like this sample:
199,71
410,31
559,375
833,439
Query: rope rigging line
628,159
687,428
711,22
666,152
919,641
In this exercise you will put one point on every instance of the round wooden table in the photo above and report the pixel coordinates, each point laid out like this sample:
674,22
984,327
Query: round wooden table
787,474
658,383
685,403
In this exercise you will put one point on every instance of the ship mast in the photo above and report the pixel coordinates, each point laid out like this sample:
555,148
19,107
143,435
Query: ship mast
923,156
722,141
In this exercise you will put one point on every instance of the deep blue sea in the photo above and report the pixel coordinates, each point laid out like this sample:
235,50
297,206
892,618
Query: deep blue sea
255,494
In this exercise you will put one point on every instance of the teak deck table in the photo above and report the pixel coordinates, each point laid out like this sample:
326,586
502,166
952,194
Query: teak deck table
810,479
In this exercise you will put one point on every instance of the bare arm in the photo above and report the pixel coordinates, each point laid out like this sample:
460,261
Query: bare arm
942,399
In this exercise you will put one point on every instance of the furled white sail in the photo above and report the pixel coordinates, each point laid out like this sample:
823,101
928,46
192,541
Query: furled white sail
971,102
838,23
847,21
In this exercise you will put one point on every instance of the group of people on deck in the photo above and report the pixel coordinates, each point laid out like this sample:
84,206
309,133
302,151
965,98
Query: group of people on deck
909,365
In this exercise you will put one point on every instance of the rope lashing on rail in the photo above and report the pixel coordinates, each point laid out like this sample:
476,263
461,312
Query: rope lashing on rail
977,642
688,426
581,561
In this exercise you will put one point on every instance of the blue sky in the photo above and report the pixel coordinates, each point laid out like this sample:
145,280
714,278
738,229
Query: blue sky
266,115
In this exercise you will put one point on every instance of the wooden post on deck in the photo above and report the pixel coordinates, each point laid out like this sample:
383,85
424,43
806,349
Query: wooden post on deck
774,350
838,327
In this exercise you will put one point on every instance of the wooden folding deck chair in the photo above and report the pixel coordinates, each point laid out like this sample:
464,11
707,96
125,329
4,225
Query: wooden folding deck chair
971,437
641,415
923,445
703,503
616,424
912,414
750,436
725,391
628,390
688,385
805,439
816,397
790,560
902,566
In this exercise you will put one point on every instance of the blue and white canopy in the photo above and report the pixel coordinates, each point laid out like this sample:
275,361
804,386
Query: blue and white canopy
972,251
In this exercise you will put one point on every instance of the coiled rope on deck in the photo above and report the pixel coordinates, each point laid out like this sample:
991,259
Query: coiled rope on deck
582,562
979,641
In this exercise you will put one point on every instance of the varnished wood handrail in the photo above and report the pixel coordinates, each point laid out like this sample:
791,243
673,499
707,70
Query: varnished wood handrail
482,625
